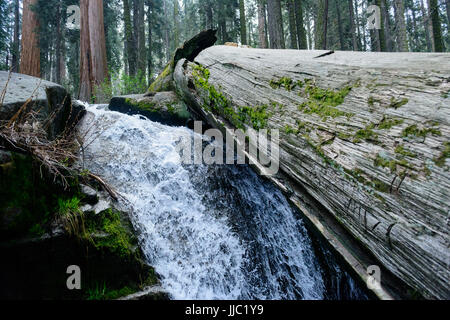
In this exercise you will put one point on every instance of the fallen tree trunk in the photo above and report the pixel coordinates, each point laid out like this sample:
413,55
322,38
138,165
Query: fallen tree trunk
366,134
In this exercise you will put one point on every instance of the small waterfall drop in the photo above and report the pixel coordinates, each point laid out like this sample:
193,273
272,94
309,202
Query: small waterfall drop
210,232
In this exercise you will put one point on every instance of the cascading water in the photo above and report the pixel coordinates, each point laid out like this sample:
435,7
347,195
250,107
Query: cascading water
210,232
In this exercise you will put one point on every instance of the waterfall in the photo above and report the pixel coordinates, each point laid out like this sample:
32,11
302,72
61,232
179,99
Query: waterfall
210,232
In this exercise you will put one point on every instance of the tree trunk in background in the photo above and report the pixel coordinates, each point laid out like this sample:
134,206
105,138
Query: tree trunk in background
358,29
351,11
430,25
301,32
340,29
142,50
243,22
402,39
176,33
448,15
436,22
381,32
276,34
209,14
425,21
292,26
222,23
58,43
387,25
150,41
166,33
30,58
262,24
308,26
16,44
93,66
321,25
131,51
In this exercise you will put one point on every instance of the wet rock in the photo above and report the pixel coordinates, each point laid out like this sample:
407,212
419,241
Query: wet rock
90,196
5,157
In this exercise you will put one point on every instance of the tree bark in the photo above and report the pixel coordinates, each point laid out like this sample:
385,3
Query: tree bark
375,159
142,50
436,22
425,20
387,25
402,38
16,43
352,24
381,33
276,34
299,21
340,28
292,25
93,65
30,57
131,50
262,24
448,15
243,23
150,9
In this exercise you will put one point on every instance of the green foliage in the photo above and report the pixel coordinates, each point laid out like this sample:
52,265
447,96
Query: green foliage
101,292
401,151
117,240
284,82
366,134
397,103
387,124
256,117
440,161
121,84
323,102
72,217
414,131
23,192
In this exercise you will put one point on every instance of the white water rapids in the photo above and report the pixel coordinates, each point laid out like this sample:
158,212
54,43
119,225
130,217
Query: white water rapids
210,232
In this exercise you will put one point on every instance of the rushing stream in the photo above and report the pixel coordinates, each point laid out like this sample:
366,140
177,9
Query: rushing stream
210,232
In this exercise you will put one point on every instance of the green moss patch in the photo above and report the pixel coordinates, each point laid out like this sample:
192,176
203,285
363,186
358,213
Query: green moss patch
440,161
117,238
415,131
256,117
323,102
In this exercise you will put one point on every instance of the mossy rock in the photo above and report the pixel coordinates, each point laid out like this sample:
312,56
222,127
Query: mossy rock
164,107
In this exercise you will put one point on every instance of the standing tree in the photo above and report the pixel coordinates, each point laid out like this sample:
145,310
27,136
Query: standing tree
142,50
16,44
93,63
301,32
352,25
262,24
30,58
292,26
321,25
131,51
276,34
437,32
402,40
243,23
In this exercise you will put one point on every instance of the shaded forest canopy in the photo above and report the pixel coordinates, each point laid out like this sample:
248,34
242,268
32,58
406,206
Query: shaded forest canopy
140,36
